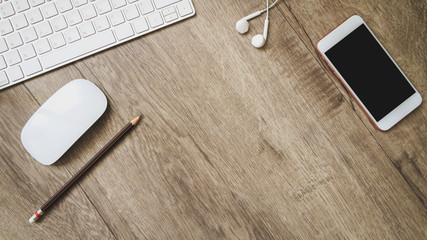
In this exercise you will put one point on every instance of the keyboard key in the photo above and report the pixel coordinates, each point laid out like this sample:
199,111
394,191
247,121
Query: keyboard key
3,79
171,17
12,57
145,6
14,40
73,17
86,29
155,19
20,5
19,21
140,25
32,66
64,5
78,3
132,1
6,10
3,64
29,34
168,11
103,6
34,16
5,27
131,12
116,18
15,73
88,12
3,45
164,3
57,40
101,23
42,46
118,3
169,14
124,31
72,51
184,8
43,29
36,2
27,51
72,35
49,10
58,23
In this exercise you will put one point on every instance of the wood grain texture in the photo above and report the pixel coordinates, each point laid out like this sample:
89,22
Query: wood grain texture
237,143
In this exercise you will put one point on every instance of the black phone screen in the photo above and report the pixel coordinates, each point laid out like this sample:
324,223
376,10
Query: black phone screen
370,72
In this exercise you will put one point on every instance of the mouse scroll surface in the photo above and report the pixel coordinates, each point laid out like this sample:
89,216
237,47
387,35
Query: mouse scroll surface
62,119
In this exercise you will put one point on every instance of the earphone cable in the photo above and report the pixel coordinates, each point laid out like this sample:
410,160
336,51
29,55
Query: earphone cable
268,7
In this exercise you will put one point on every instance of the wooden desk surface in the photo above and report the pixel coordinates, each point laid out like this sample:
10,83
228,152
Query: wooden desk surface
237,143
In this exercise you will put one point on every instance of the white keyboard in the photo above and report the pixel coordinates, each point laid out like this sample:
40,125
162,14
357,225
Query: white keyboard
40,35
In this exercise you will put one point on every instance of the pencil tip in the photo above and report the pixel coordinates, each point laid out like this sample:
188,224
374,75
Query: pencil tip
135,121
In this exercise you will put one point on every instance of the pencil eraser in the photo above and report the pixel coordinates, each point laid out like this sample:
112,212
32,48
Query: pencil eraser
33,218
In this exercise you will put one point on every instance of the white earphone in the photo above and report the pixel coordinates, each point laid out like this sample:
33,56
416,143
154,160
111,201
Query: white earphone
242,26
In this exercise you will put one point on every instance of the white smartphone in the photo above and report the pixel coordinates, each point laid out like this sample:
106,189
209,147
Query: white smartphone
369,73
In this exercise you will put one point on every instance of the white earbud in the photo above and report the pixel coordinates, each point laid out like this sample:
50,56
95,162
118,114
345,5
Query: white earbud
259,40
242,26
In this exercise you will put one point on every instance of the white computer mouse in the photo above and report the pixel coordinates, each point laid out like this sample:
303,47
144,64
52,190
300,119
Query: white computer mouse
62,119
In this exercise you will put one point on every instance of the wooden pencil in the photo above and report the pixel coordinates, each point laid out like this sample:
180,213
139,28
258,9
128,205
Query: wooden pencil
76,176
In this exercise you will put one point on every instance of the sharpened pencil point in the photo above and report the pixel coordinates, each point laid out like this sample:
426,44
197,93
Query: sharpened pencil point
135,120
